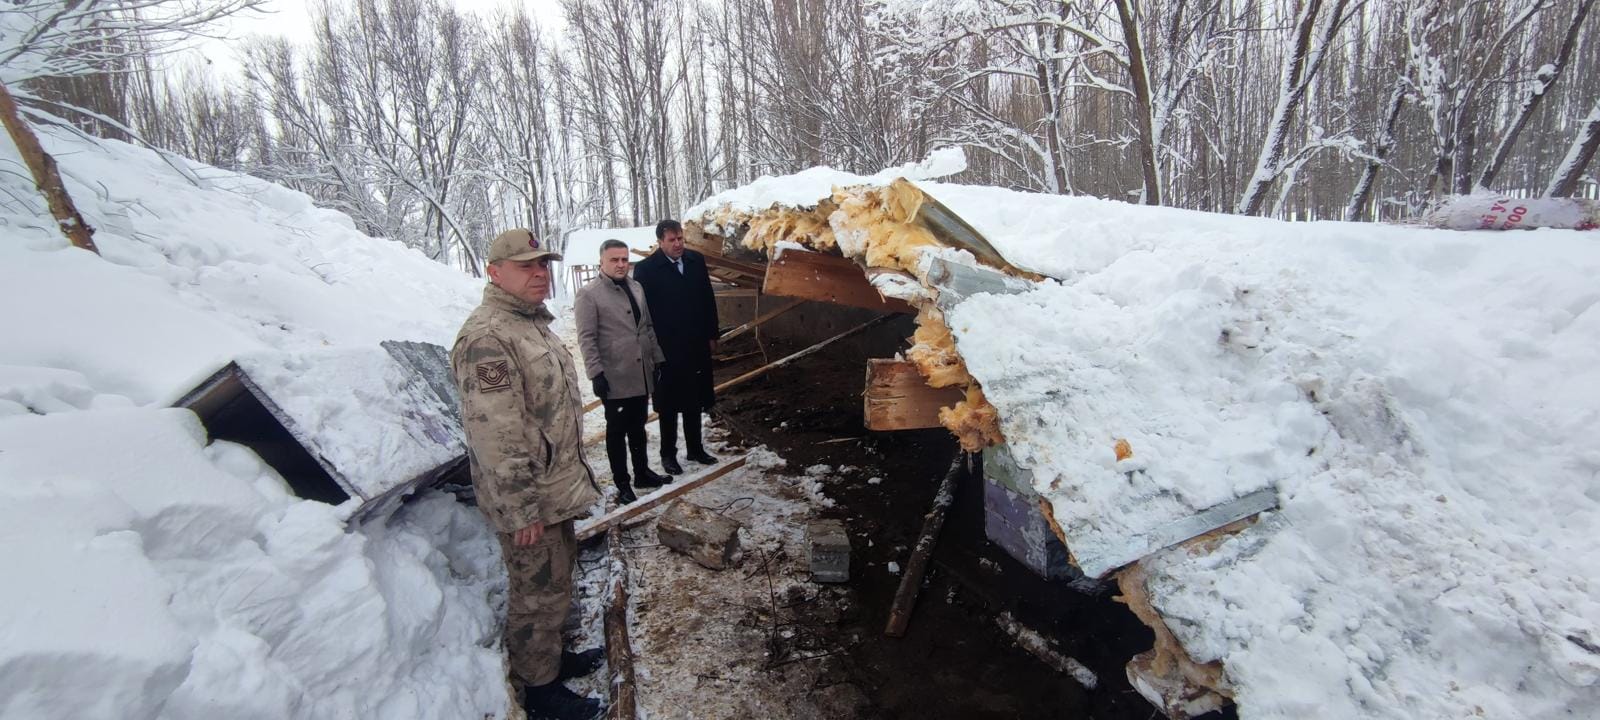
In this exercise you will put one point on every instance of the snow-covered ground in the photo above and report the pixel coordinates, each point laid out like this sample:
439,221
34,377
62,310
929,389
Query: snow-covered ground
149,574
1423,403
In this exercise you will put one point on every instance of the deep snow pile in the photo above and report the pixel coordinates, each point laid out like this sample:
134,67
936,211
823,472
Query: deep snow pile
148,574
1422,401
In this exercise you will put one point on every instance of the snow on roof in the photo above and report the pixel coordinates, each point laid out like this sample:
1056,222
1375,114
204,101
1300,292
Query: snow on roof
807,187
583,246
227,596
1421,401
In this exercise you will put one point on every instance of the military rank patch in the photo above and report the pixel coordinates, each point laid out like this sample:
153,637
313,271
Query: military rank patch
493,376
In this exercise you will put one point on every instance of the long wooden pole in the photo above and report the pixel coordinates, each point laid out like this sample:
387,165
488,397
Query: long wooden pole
591,528
747,327
46,176
905,598
619,649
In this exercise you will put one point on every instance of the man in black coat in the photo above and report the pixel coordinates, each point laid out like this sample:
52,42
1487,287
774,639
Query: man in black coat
677,289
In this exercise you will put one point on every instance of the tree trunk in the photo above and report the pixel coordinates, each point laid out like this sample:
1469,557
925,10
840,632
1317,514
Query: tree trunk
1290,91
1536,95
1141,92
45,175
1565,179
1362,195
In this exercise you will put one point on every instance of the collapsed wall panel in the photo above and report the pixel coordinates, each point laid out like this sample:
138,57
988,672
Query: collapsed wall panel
361,425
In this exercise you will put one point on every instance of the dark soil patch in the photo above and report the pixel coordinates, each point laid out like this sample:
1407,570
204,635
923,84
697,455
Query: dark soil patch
955,661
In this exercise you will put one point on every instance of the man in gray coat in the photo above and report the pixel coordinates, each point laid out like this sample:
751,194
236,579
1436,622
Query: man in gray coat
620,356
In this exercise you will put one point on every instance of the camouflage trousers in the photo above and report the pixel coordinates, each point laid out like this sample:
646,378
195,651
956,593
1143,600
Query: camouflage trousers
541,594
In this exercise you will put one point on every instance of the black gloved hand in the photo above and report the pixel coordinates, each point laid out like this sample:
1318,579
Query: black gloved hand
601,387
661,369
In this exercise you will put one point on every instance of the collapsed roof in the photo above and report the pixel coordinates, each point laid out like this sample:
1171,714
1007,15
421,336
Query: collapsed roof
1416,404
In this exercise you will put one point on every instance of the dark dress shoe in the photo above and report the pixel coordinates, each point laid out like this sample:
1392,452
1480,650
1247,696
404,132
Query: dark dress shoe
579,664
671,466
625,495
647,478
701,456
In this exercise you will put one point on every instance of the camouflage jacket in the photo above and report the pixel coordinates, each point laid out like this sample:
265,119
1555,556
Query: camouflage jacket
522,413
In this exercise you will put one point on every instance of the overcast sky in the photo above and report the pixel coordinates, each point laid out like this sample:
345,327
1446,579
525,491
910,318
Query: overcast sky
292,19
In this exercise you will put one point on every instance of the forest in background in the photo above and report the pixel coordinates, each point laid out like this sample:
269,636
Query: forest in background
437,127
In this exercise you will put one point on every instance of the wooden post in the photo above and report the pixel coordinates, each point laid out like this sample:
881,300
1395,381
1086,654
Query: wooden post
905,599
45,175
619,650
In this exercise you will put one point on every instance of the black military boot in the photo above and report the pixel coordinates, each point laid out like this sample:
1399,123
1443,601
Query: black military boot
700,455
553,701
670,464
579,664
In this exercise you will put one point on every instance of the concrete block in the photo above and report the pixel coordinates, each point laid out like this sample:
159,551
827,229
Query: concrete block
706,537
830,551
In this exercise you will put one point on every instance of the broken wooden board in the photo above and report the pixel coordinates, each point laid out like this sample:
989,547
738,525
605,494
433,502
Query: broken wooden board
827,278
744,274
590,528
957,282
1130,549
897,397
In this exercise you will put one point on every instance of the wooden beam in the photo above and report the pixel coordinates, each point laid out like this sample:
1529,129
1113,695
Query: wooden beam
591,528
763,318
899,398
619,650
774,365
905,597
828,278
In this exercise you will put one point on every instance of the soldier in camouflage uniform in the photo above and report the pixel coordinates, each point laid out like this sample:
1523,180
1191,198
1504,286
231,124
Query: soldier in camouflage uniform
523,417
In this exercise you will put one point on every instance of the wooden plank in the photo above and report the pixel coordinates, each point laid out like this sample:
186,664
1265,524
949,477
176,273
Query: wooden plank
828,278
899,398
589,529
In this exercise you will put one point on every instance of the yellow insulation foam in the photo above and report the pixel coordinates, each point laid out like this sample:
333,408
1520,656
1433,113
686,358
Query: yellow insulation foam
934,351
974,421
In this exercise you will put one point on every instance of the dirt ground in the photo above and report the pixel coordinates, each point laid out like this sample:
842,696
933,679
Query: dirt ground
762,641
